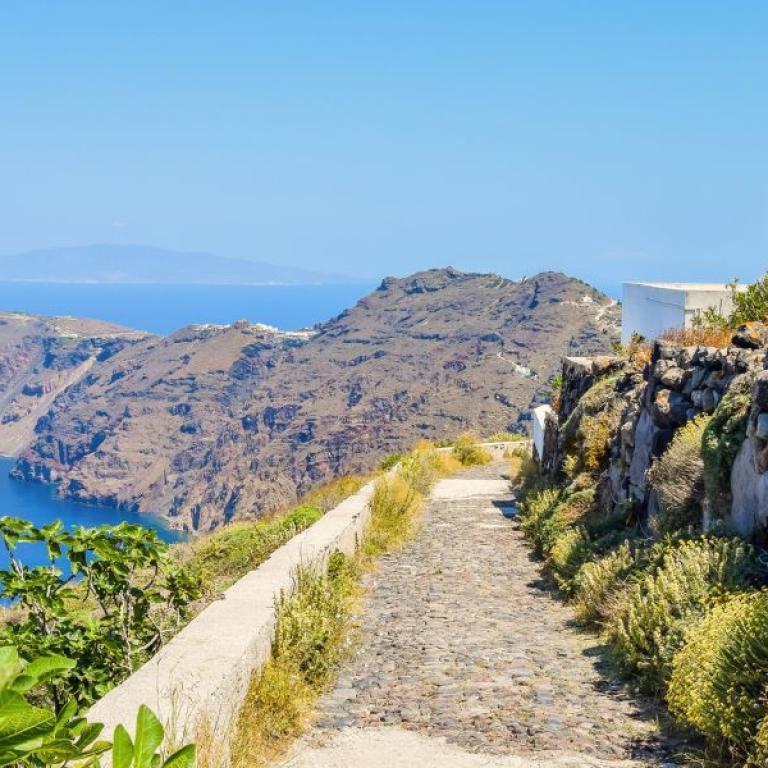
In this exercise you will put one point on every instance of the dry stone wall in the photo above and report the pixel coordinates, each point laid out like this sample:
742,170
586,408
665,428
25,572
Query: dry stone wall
652,403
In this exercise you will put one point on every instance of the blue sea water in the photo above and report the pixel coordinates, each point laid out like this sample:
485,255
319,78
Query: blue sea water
165,308
40,505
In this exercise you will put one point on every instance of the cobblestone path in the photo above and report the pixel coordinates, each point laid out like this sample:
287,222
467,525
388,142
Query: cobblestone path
466,659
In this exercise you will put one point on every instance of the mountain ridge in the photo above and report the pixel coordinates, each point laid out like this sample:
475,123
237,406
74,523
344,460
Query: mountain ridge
214,423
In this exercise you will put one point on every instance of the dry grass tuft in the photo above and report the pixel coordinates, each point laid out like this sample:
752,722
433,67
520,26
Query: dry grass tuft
705,336
468,452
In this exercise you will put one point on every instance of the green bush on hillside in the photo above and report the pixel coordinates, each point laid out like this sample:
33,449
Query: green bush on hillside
650,622
390,461
570,550
597,583
678,477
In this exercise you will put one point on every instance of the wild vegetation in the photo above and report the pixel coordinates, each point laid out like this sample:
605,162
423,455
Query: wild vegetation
684,613
107,599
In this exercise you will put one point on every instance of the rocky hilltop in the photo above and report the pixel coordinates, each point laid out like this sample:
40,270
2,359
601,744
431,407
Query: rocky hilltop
219,422
42,356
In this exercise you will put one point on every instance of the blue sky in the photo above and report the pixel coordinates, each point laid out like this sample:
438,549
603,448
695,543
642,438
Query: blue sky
611,140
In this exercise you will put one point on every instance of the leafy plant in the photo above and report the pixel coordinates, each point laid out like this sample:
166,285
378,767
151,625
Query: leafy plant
33,735
108,609
649,626
141,752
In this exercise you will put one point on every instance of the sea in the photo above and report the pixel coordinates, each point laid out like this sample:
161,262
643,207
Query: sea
163,309
159,309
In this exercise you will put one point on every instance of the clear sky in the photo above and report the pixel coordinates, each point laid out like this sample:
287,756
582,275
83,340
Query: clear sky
611,140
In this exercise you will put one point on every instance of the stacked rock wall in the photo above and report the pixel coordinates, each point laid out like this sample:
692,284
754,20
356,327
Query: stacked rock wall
654,402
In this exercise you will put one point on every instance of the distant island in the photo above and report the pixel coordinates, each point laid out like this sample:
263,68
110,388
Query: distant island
142,264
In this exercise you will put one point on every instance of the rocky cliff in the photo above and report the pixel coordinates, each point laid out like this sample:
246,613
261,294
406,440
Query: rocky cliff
218,422
39,358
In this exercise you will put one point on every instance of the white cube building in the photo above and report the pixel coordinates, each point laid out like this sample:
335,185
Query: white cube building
652,308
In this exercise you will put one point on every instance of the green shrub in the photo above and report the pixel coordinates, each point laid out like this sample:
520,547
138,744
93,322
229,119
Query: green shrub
750,304
131,593
721,440
597,583
313,624
548,514
569,551
708,681
654,613
678,477
504,437
390,461
227,555
394,507
468,452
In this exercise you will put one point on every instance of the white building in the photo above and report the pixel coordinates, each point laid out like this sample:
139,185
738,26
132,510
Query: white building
652,308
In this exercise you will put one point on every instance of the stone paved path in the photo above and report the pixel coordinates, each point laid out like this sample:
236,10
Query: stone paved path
466,660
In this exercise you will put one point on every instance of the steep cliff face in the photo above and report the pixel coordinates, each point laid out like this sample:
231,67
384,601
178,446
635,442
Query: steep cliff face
213,423
643,409
42,356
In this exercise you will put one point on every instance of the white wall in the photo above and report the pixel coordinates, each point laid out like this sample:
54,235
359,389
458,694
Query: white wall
650,309
539,420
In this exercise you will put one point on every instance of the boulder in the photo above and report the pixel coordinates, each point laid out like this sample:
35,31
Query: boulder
641,456
761,426
709,400
749,489
752,335
760,391
673,377
669,408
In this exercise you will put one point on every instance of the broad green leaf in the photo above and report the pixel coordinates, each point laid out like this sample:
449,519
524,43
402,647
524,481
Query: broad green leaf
10,665
182,758
122,748
148,737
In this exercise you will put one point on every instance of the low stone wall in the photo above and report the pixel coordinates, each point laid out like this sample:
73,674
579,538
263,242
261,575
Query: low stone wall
204,672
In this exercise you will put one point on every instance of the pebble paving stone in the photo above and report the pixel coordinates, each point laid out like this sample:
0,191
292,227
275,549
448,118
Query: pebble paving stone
463,643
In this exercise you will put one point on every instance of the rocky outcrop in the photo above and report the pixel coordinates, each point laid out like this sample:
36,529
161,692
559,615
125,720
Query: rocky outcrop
221,422
676,385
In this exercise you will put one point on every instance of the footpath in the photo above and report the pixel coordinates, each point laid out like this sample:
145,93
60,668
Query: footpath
465,659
